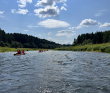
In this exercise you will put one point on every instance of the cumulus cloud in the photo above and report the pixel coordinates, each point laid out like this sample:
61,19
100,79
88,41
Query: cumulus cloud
22,3
47,12
105,25
45,3
67,33
87,22
49,8
51,23
22,11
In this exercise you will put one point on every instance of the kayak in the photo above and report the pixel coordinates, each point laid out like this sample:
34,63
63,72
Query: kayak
19,54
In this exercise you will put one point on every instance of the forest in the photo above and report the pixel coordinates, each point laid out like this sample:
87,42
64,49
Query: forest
18,40
92,38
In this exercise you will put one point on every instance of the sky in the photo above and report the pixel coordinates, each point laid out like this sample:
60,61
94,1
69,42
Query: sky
59,21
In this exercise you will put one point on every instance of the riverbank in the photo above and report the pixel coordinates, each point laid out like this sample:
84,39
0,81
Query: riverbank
7,49
105,47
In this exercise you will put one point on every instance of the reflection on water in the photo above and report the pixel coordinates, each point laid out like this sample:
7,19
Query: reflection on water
55,72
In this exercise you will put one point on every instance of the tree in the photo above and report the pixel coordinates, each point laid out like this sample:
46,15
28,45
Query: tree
86,42
1,44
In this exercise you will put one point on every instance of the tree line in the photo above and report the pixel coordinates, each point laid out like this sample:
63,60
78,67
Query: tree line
92,38
18,40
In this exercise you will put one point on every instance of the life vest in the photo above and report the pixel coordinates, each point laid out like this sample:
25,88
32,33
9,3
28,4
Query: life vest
19,51
23,51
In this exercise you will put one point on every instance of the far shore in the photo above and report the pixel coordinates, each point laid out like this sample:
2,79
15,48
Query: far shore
105,48
7,49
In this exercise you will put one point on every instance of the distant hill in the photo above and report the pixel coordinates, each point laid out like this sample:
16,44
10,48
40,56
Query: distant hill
93,38
18,40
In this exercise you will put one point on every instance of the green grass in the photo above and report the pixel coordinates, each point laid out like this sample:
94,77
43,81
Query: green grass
7,49
105,47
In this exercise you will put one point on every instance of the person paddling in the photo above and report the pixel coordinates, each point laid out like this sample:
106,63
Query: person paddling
19,52
22,51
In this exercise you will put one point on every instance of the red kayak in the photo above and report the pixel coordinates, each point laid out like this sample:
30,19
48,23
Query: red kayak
19,54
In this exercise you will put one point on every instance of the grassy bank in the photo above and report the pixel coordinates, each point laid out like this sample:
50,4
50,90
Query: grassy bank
7,49
105,47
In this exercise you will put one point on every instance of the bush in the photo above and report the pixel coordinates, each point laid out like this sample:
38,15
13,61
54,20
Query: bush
96,48
107,49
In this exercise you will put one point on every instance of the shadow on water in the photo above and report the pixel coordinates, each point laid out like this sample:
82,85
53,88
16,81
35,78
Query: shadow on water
55,72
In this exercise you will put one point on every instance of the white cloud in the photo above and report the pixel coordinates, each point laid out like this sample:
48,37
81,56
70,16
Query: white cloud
1,12
49,8
45,3
60,1
31,26
50,33
63,8
67,33
23,3
100,13
86,23
105,25
71,28
13,10
26,30
47,12
22,11
51,23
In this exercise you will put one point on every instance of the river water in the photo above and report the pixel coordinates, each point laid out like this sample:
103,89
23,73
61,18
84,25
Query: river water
55,72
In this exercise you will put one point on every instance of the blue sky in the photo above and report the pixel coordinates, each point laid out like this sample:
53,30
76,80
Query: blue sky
56,20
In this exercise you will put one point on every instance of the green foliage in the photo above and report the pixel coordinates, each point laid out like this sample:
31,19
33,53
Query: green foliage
95,38
105,47
2,44
86,42
17,40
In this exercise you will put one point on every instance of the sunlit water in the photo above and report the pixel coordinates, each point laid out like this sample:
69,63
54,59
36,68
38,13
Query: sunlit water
55,72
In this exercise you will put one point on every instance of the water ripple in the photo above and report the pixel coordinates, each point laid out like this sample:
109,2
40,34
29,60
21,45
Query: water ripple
55,72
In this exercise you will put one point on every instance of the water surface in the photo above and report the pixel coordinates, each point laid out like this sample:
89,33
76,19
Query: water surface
55,72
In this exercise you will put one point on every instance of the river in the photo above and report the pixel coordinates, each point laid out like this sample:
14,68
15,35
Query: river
55,72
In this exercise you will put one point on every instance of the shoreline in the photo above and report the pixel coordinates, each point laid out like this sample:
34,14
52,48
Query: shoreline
103,48
8,49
